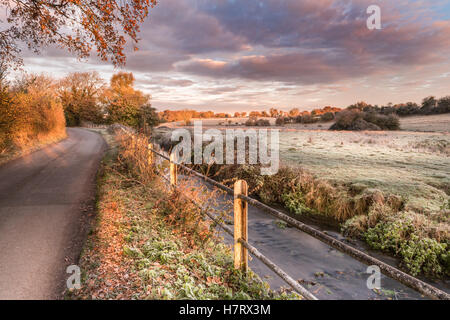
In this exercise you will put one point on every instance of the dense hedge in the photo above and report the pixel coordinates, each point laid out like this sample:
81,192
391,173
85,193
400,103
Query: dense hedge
30,113
358,121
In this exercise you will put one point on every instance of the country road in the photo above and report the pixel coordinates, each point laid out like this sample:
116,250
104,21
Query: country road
46,202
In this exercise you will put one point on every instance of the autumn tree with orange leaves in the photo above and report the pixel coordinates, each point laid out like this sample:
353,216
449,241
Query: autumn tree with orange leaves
76,25
126,105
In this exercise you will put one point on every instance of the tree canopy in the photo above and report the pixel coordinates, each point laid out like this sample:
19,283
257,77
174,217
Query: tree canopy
76,25
126,105
79,93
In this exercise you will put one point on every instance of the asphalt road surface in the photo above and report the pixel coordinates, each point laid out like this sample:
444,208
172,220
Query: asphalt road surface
46,202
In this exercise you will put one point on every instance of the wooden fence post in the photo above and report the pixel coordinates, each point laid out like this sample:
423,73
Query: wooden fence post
173,170
240,225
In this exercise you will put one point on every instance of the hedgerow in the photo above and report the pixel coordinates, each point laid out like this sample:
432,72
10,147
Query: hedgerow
30,114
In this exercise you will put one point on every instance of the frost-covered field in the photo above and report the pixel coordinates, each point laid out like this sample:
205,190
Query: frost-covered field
415,165
435,123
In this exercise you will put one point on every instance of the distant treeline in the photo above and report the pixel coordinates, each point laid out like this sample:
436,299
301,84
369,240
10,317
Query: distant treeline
430,105
362,116
187,114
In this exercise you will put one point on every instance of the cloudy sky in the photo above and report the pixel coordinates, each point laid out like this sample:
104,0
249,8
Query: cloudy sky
235,55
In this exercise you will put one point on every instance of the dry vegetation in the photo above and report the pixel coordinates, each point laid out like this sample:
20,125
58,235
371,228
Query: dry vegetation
152,243
30,115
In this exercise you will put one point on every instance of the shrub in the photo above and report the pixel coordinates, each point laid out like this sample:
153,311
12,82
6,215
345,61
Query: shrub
407,109
258,123
296,203
309,119
443,105
31,113
263,123
423,255
385,122
286,185
418,254
280,121
328,116
358,121
274,187
250,123
345,119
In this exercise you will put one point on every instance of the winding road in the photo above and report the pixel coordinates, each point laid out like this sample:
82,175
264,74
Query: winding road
46,201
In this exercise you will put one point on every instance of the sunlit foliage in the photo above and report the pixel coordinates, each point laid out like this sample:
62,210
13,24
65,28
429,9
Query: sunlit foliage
126,105
76,25
30,113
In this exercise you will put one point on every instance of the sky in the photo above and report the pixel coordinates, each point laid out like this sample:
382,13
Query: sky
242,55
